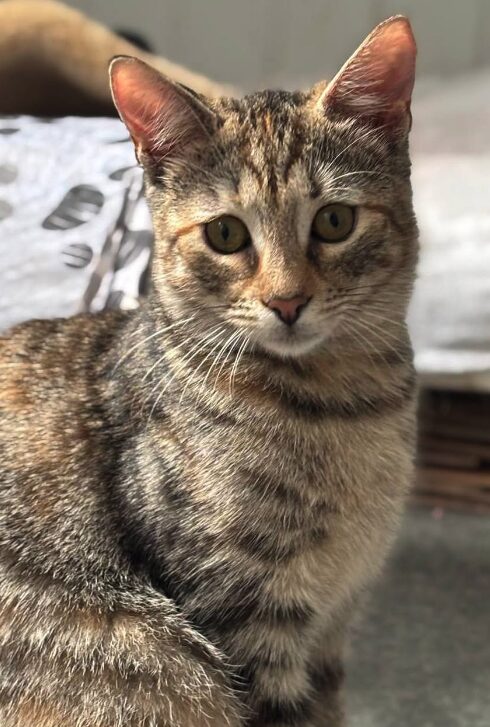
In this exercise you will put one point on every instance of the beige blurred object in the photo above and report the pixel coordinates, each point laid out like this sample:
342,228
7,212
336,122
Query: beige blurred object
53,61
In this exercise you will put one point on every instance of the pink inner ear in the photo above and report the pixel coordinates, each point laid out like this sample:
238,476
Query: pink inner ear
379,77
159,119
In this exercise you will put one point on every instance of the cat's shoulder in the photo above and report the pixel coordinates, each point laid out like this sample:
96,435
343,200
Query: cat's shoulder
39,358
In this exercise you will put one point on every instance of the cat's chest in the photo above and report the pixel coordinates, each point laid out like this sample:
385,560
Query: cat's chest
321,503
297,518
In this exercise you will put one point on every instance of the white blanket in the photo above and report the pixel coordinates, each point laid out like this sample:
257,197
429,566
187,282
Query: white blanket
74,232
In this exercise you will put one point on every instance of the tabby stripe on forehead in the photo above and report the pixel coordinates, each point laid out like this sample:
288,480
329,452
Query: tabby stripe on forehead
295,151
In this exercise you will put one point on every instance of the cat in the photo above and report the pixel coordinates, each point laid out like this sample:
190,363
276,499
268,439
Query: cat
194,496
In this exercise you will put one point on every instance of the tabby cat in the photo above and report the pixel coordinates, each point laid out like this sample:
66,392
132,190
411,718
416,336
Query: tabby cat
195,495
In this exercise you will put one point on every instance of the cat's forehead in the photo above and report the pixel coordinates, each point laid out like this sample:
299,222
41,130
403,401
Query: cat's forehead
280,106
276,142
265,136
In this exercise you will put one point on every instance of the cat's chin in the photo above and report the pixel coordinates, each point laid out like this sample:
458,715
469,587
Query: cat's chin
293,346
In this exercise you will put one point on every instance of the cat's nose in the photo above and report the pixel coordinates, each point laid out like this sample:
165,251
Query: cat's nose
288,310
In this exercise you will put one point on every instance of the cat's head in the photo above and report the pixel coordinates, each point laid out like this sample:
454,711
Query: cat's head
285,218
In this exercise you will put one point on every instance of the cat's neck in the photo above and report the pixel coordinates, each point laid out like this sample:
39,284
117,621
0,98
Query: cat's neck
179,359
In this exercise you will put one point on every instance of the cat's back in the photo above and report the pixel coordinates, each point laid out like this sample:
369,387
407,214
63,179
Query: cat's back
49,372
53,430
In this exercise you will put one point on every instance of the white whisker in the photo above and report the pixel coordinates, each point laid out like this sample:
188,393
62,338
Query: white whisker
198,368
160,332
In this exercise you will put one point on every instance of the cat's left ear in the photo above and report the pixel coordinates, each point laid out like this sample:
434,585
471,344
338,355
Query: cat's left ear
163,117
376,83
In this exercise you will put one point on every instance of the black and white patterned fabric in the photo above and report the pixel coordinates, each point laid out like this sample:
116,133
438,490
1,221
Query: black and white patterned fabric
75,232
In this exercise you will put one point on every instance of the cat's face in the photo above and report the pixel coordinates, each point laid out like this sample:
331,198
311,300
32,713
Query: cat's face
283,220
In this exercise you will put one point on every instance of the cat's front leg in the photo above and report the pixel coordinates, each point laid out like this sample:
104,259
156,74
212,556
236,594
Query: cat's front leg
320,705
297,680
327,680
326,671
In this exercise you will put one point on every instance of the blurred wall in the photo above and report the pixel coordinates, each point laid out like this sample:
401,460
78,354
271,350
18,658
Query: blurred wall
254,43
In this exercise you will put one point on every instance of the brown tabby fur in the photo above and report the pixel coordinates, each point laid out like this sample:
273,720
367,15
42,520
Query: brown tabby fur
188,519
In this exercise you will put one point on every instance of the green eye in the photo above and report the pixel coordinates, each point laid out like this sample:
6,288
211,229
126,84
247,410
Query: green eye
227,234
334,222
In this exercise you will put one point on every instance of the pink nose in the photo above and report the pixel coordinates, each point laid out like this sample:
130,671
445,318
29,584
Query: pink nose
288,309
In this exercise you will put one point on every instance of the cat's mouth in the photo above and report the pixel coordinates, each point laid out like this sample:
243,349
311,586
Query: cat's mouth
291,341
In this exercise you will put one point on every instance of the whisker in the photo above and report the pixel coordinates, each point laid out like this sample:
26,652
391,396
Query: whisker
160,332
191,354
351,328
375,332
364,172
328,168
234,369
235,338
215,362
197,369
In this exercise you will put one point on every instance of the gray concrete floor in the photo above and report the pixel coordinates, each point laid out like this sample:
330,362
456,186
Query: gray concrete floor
421,654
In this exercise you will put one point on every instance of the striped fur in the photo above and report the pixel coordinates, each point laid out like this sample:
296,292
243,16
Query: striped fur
193,499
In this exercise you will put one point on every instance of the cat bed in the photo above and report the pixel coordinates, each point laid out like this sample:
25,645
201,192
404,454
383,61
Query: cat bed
75,233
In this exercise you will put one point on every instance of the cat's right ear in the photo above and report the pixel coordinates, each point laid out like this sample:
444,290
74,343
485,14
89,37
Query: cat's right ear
375,85
163,117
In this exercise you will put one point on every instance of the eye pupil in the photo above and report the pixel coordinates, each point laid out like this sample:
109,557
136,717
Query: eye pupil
334,219
225,231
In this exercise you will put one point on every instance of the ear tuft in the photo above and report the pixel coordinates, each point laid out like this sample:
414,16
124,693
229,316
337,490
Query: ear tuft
377,81
162,117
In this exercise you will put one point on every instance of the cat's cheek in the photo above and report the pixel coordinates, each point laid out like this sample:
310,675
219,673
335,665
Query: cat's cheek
214,273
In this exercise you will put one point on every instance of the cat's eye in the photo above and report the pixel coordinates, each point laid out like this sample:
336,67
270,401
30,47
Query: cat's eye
227,234
334,223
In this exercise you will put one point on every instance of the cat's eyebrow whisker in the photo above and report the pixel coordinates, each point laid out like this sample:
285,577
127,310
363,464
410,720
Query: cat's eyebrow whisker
176,164
336,190
357,140
363,172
